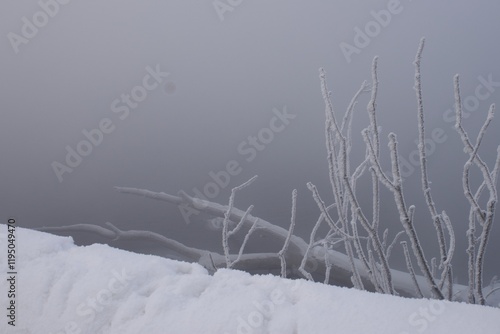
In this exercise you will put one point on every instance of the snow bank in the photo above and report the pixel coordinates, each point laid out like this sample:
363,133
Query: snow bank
63,288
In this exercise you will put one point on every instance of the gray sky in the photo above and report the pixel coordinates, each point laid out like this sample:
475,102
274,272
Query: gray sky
228,70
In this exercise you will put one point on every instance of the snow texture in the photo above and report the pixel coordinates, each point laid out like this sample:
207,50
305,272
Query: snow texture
64,288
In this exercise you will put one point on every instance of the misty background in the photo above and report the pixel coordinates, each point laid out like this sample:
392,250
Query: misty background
225,77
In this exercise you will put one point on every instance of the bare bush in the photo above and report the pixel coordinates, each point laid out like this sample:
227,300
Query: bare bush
365,263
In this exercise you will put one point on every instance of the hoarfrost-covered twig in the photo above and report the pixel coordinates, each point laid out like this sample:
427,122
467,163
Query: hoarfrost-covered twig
372,107
328,266
384,238
375,140
410,269
433,266
423,158
471,253
302,267
379,281
244,243
375,199
161,196
361,255
446,265
375,160
346,121
322,207
356,275
242,221
225,223
282,252
393,243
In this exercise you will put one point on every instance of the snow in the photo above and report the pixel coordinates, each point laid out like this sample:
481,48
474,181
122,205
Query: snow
64,288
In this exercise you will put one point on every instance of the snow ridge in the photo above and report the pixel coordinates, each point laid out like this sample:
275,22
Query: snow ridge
64,288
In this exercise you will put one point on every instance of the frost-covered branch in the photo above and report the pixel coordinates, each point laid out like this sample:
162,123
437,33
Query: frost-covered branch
410,269
436,218
227,215
283,250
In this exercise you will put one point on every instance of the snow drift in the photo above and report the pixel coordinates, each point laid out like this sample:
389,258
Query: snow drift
64,288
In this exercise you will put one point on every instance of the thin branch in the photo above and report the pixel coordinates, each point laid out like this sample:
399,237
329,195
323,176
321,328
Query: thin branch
322,207
244,243
242,221
410,269
227,215
393,243
423,158
312,236
282,252
447,273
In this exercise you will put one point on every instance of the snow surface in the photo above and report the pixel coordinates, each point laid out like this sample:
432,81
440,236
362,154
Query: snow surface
64,288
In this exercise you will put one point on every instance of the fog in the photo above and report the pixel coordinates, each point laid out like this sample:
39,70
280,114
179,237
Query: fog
211,74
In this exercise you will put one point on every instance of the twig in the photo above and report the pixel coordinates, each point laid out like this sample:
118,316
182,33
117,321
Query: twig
283,250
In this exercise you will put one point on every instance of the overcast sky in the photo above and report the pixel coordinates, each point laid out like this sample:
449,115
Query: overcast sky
232,66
